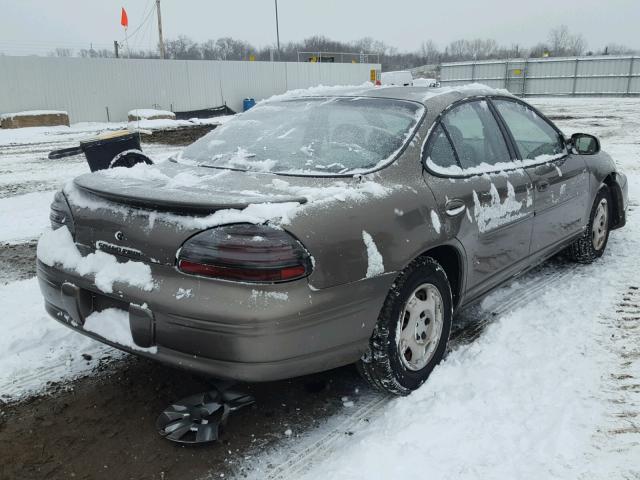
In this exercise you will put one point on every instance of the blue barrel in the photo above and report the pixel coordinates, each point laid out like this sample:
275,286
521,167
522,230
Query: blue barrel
247,103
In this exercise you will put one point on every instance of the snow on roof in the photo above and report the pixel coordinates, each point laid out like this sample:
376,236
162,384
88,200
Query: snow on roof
321,91
367,89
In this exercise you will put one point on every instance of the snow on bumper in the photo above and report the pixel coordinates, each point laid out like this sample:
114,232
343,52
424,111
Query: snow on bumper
56,247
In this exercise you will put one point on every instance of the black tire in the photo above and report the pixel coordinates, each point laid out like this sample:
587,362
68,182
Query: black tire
382,365
583,250
129,158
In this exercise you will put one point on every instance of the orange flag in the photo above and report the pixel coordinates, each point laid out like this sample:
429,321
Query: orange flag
124,20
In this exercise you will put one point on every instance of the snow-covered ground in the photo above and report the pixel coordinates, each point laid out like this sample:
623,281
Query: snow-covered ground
549,390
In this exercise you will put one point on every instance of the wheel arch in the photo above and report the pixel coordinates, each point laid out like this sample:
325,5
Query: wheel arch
451,259
617,202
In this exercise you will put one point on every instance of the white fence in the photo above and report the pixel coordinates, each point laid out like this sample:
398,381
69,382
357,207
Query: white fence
92,89
603,75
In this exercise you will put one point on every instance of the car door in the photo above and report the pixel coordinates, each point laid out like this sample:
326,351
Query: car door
487,205
560,178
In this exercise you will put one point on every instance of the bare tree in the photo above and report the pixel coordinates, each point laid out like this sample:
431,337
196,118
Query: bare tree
562,42
61,52
617,49
429,52
228,48
539,50
182,48
91,53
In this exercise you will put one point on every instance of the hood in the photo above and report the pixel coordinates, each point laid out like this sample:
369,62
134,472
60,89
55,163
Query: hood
182,188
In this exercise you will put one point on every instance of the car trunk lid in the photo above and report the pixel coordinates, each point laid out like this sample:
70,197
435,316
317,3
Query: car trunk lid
173,188
146,214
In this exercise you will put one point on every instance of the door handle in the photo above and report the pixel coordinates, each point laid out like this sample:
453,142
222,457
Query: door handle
485,196
454,207
542,185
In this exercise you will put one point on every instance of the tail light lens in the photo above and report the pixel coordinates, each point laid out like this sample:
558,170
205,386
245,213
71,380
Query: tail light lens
60,213
245,252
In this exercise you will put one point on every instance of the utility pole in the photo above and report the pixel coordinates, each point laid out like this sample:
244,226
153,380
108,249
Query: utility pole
161,44
277,29
115,48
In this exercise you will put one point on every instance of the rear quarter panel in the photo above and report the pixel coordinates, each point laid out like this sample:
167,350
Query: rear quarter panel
399,224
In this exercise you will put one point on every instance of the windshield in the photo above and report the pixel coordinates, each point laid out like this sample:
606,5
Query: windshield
309,136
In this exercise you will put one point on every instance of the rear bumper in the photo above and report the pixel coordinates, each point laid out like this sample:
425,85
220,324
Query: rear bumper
228,330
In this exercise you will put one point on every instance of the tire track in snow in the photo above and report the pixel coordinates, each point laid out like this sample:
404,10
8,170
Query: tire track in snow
301,458
17,261
619,436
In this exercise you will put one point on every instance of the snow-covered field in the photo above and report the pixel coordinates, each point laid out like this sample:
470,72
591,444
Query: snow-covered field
550,389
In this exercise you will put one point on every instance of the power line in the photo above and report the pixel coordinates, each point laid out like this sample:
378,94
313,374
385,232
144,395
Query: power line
146,18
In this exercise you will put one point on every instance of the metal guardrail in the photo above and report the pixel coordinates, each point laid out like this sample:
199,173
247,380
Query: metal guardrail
601,75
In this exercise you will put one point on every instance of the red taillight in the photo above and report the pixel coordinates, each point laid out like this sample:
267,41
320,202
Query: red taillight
242,274
245,252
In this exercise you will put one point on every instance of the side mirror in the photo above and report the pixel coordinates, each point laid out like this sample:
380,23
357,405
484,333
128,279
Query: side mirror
584,144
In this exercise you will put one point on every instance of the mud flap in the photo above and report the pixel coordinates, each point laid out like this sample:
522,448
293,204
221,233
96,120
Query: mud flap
142,326
78,303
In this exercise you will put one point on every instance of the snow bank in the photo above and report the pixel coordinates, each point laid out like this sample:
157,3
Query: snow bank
113,325
59,133
58,247
424,82
148,113
24,217
34,348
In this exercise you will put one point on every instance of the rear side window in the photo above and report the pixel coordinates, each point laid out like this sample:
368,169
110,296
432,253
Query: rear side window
532,134
475,134
440,151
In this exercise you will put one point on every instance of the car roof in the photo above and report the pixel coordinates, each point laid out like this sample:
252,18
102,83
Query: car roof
428,96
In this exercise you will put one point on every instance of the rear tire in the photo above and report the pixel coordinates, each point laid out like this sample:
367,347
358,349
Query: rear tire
595,237
411,335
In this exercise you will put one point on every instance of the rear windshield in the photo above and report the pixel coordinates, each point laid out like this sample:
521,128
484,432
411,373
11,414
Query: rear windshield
310,136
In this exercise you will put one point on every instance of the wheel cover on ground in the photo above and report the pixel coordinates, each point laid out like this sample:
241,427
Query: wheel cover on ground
420,327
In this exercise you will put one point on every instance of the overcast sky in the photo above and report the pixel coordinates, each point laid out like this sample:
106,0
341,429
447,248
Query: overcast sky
37,26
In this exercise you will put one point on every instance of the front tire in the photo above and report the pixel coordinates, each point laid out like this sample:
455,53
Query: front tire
594,240
411,335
